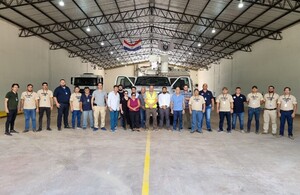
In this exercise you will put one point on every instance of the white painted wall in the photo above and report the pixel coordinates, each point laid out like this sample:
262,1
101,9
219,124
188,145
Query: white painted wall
29,60
270,63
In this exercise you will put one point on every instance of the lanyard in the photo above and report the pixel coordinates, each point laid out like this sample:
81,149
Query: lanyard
271,98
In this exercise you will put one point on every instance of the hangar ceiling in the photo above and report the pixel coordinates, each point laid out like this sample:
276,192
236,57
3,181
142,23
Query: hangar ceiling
202,31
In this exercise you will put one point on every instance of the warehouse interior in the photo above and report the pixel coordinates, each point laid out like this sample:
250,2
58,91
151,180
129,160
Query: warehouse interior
224,43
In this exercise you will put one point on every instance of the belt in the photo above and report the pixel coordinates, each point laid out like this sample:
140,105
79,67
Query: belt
271,109
286,110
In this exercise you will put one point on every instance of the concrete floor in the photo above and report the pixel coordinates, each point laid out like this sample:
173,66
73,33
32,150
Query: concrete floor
87,162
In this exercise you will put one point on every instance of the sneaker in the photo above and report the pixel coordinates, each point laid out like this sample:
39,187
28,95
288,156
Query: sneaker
199,131
8,134
49,129
95,129
256,132
59,128
13,131
25,131
192,131
274,134
113,130
229,131
248,131
39,129
78,128
220,131
84,128
291,137
280,136
210,130
102,128
242,131
67,127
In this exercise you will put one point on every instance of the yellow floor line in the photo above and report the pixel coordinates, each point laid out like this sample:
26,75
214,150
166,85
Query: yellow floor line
145,188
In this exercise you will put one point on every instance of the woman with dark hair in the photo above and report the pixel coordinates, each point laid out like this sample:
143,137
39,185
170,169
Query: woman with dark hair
134,112
125,110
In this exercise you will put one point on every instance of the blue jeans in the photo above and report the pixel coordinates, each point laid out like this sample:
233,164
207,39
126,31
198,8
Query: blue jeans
286,115
256,113
113,119
142,117
76,115
30,114
177,115
197,117
241,120
207,117
228,118
87,114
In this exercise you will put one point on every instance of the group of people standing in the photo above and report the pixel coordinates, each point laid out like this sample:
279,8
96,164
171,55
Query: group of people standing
136,109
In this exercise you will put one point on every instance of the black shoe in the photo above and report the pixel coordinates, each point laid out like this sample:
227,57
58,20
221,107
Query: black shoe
67,127
59,128
7,133
248,131
40,129
291,137
209,130
49,129
192,131
13,131
25,131
220,131
256,132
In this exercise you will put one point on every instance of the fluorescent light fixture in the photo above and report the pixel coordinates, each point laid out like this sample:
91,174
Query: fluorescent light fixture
241,4
102,43
199,44
213,31
190,53
111,52
61,3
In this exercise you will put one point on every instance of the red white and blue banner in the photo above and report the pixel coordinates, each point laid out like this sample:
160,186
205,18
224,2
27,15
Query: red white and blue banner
132,46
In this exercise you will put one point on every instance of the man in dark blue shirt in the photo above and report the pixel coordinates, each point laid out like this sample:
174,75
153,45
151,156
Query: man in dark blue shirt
238,108
62,98
210,105
86,108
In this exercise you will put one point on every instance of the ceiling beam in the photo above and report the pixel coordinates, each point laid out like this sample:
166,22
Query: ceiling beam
287,5
5,4
151,11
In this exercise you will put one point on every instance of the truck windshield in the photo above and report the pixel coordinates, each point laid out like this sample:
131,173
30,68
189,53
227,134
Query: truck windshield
81,81
155,81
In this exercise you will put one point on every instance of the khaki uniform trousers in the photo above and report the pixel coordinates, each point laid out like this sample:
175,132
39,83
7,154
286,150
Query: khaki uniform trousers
270,115
102,111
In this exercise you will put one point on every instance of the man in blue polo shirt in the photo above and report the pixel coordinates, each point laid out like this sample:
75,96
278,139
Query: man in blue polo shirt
210,105
177,108
62,96
238,108
86,108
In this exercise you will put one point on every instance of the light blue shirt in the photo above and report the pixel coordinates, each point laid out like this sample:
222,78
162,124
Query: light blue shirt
177,101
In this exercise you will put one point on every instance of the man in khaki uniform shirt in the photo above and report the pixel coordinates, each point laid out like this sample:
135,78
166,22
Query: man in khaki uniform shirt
254,100
75,107
196,108
270,100
287,106
225,109
29,104
45,105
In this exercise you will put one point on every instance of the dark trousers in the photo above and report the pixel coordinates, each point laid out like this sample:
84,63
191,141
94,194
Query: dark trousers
286,116
10,120
63,112
41,115
177,116
228,118
126,119
164,114
256,113
135,119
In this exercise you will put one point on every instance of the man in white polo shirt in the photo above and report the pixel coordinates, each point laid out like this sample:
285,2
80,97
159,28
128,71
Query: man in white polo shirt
287,106
113,103
45,105
225,109
270,101
254,100
164,100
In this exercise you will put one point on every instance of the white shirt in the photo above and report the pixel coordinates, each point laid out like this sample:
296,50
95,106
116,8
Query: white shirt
113,101
164,99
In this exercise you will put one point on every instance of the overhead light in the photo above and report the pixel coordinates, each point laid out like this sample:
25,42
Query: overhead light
199,44
88,29
118,59
241,4
213,31
102,43
111,52
190,53
61,3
